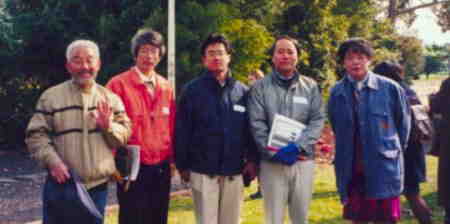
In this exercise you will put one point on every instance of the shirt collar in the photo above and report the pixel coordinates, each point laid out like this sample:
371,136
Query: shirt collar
359,85
228,79
145,78
89,91
283,81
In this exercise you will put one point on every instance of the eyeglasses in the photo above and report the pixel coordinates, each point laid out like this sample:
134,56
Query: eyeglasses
216,53
147,51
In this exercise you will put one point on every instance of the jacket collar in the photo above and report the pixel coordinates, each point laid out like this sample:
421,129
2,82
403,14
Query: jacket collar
279,80
145,78
135,79
372,83
229,81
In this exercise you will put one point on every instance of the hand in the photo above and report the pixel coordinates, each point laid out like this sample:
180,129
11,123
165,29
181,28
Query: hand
59,172
251,170
173,170
287,155
185,176
103,115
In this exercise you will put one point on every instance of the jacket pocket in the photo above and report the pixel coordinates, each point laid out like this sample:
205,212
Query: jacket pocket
390,161
391,154
382,122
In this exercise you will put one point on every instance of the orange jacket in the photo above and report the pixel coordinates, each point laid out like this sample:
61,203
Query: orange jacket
152,117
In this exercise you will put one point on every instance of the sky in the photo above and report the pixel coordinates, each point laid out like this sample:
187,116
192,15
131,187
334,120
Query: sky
427,28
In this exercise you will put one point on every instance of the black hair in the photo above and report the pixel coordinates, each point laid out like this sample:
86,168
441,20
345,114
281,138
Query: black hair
390,70
215,38
147,36
357,45
284,37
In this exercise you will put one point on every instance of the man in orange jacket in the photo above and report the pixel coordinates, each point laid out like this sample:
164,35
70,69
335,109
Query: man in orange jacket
149,102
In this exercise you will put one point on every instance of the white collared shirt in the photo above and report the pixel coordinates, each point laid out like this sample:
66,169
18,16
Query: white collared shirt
147,80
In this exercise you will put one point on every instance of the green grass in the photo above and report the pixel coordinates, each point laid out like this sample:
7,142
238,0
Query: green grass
325,207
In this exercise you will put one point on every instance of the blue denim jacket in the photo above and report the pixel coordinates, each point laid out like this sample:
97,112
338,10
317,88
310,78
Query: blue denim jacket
384,122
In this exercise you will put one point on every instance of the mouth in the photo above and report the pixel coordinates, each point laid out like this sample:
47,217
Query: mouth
285,63
85,75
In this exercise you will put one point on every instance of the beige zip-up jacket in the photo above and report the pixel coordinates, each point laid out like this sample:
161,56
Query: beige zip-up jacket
62,129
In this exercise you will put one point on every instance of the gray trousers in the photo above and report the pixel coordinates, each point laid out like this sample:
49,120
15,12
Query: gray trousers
287,186
217,200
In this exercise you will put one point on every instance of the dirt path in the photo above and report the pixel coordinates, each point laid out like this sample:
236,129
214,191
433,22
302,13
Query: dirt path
21,183
426,87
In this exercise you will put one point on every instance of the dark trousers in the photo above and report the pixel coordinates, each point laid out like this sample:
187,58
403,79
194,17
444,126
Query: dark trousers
147,199
61,203
447,215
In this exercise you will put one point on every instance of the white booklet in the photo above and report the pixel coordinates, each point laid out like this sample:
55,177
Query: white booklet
134,157
284,130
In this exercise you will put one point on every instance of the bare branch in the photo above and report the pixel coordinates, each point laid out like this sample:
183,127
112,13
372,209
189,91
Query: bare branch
412,9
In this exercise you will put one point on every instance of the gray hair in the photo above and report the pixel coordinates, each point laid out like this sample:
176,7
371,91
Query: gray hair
82,43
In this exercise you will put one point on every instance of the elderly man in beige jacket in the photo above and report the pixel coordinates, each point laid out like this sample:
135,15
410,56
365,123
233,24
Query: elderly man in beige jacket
72,133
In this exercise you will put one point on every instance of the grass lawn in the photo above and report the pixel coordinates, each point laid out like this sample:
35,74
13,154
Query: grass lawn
325,207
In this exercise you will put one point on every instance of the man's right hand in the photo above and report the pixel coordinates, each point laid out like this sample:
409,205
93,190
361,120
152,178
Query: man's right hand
59,172
185,175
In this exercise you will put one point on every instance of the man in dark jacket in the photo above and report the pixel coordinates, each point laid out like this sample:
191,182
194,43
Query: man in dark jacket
439,107
212,141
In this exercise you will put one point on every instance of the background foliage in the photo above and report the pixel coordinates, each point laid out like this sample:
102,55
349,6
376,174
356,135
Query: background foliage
35,35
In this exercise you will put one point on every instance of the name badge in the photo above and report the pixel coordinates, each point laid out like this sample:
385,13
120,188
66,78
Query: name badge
239,108
302,100
165,110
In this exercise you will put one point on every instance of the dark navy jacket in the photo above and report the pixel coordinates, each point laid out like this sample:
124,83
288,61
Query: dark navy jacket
211,130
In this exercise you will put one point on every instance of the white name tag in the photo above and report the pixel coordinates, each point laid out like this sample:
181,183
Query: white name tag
239,108
165,110
302,100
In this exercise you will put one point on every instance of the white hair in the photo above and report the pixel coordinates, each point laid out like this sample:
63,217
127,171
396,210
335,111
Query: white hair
82,43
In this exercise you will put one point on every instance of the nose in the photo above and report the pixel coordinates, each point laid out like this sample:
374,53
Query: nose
284,55
85,66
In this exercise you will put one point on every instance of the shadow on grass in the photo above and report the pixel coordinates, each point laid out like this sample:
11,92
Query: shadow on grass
181,204
324,194
432,201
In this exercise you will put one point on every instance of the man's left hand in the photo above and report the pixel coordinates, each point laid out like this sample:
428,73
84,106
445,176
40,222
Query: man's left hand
287,155
103,115
251,170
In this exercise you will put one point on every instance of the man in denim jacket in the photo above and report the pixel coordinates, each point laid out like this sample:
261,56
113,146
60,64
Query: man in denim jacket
371,121
286,175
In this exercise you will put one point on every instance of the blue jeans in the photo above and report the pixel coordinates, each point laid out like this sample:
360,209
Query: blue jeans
62,205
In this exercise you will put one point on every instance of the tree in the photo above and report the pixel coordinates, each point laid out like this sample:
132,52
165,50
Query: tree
435,59
319,30
250,41
34,37
433,64
47,27
406,10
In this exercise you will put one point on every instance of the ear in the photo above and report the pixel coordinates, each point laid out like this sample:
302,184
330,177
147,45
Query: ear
203,60
68,68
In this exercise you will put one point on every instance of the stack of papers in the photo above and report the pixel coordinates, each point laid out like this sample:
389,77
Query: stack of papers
284,131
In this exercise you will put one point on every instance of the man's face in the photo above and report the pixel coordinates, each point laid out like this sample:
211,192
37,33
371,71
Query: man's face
285,57
356,64
147,58
83,66
252,79
216,58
